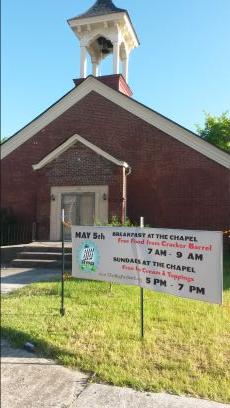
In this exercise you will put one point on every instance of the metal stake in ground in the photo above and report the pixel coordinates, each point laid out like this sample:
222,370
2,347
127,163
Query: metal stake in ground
142,296
62,309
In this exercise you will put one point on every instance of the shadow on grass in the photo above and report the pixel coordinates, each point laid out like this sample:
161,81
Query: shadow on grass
13,346
29,276
226,270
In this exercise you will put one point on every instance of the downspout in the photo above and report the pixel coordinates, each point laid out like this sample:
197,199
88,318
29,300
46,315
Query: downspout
126,172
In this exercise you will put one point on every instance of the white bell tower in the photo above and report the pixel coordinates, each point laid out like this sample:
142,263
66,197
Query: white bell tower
103,30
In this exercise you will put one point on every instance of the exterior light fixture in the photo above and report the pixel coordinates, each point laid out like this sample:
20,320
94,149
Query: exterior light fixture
104,196
52,197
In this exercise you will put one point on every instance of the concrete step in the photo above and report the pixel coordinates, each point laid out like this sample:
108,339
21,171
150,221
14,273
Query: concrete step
40,263
56,256
30,248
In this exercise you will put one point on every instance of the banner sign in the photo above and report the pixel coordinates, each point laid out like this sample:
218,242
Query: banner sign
179,262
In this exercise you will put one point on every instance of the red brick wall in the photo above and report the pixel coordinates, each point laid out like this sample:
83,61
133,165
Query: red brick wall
115,81
171,185
78,166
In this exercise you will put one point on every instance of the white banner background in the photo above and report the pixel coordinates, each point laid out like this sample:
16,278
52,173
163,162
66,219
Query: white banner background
184,263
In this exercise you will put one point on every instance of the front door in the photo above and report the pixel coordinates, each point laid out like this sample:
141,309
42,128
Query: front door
83,205
79,209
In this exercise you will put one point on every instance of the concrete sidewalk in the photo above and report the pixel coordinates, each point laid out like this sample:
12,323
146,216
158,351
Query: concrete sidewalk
16,278
29,381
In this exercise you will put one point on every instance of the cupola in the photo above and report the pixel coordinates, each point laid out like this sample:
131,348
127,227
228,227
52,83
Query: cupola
103,30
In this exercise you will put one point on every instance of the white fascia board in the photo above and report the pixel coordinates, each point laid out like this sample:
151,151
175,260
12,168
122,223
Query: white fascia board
101,152
131,31
166,125
44,119
66,145
95,19
153,118
114,17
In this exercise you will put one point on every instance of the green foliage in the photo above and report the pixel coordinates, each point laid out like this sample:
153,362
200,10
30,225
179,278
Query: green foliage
116,222
216,130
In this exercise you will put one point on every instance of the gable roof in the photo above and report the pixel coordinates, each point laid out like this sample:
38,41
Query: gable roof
70,142
155,119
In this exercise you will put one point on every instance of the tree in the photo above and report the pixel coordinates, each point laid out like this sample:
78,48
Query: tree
216,130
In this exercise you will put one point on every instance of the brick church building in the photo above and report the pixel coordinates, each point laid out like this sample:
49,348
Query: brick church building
99,153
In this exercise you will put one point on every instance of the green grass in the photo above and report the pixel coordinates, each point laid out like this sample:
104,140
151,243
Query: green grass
186,349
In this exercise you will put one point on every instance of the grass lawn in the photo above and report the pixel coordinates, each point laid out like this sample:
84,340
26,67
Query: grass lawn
186,349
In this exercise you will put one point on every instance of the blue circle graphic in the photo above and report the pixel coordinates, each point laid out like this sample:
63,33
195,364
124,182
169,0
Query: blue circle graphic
88,256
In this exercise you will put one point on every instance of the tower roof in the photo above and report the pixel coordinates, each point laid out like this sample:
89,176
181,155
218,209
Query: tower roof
101,7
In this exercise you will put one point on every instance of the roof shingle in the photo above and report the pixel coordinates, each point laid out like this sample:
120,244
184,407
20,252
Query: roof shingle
101,7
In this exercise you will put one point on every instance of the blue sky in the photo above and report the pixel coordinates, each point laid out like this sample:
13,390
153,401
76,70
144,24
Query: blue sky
181,68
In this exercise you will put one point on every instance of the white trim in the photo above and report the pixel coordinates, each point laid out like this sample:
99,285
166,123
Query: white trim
68,143
42,121
149,116
115,17
166,125
77,21
101,205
